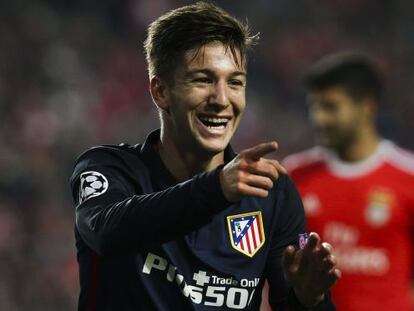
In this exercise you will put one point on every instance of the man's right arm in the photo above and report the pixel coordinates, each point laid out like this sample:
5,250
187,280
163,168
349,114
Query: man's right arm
124,219
121,220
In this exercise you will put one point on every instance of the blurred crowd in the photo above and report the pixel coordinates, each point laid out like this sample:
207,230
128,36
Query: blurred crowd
73,75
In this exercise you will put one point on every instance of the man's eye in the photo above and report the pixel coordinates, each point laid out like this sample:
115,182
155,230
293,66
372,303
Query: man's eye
236,82
329,107
202,80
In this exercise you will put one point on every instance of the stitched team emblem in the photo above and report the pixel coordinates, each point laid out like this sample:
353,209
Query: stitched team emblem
379,210
246,232
92,184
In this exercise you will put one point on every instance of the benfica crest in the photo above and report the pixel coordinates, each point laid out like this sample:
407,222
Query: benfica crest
379,209
246,232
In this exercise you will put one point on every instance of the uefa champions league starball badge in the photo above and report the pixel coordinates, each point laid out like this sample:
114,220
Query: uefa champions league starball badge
92,184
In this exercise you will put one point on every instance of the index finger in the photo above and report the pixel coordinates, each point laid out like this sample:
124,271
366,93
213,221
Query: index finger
260,150
312,242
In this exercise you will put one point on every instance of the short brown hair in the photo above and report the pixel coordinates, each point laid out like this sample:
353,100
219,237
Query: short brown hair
356,72
189,27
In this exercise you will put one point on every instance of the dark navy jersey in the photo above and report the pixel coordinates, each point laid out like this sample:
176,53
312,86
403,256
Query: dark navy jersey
146,242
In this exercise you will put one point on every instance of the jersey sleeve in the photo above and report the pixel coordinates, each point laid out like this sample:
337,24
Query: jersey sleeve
291,222
113,214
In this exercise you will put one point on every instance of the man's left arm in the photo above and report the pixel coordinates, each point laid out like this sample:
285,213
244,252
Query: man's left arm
299,279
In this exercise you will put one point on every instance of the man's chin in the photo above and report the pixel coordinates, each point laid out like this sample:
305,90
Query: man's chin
326,141
212,147
213,150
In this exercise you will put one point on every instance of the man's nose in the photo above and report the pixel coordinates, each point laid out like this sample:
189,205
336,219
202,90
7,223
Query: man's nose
219,94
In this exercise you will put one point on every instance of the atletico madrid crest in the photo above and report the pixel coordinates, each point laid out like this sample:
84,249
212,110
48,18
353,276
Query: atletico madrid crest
246,232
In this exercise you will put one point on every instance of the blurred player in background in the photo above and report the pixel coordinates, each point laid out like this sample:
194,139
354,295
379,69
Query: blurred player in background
357,187
181,222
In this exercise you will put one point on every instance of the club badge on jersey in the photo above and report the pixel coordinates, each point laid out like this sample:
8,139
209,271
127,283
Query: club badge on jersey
379,209
246,232
91,185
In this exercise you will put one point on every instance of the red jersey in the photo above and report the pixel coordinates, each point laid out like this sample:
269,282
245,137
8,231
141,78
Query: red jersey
366,211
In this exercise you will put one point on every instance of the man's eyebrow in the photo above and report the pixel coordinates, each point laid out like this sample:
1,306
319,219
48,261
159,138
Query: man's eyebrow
210,72
239,73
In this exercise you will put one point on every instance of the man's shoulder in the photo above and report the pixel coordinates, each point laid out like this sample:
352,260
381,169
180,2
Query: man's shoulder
109,155
401,159
122,157
307,159
103,151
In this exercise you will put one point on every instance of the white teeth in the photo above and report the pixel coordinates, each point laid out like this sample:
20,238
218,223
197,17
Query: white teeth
214,120
216,126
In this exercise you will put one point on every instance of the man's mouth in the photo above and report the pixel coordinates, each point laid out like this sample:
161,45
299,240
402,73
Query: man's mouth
214,122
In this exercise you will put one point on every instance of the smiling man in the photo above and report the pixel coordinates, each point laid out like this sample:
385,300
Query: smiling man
181,222
200,108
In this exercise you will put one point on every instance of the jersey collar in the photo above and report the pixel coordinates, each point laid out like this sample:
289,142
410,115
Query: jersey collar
160,175
344,169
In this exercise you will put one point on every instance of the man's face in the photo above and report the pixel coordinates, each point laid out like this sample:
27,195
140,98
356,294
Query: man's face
336,117
206,99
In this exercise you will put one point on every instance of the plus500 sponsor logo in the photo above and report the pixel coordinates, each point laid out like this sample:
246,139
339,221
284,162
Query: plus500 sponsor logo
209,290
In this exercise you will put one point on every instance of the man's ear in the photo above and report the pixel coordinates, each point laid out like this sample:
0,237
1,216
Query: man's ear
158,89
370,107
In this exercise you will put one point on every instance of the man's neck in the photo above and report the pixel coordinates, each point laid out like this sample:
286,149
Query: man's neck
183,164
361,148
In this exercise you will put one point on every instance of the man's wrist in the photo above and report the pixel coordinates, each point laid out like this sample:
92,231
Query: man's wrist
308,301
